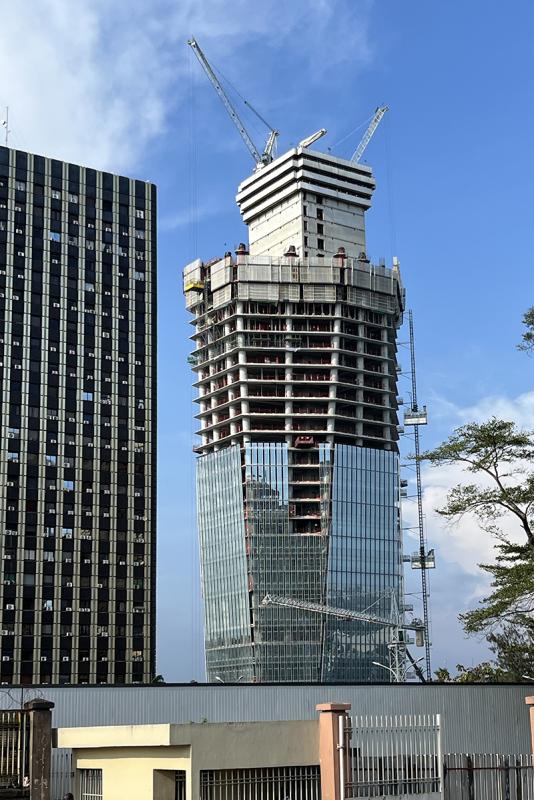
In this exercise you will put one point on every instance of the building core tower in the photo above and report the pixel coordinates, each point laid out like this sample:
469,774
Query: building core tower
298,471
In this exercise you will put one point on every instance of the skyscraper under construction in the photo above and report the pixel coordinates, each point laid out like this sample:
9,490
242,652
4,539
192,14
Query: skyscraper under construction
298,469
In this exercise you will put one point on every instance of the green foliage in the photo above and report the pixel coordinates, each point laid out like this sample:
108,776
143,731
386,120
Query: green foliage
158,679
482,673
514,647
512,595
501,454
498,451
527,343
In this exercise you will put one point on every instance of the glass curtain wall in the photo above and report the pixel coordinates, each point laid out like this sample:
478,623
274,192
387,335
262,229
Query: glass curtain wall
365,561
223,558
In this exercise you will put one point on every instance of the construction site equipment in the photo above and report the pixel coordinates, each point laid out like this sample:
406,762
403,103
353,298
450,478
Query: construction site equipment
397,644
313,138
423,560
417,416
368,135
260,159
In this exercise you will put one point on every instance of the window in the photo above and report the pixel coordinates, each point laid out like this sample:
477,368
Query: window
54,237
73,198
20,185
56,194
13,457
68,485
320,228
90,784
139,213
319,213
87,395
50,461
320,244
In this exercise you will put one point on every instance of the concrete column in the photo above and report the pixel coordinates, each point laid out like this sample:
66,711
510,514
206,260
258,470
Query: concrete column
40,747
530,703
329,748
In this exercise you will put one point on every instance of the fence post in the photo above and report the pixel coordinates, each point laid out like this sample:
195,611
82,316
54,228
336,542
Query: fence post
530,703
40,747
332,788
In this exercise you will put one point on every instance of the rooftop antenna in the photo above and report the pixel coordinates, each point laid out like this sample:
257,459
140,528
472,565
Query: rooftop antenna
5,125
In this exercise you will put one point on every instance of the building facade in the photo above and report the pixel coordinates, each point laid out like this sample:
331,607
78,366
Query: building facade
78,439
298,473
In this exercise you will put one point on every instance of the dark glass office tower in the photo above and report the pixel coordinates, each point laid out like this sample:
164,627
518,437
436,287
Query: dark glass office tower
298,490
78,436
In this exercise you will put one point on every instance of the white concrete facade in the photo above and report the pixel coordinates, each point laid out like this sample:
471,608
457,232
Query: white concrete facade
312,201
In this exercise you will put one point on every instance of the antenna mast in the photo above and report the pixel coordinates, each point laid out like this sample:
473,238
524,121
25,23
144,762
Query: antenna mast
5,124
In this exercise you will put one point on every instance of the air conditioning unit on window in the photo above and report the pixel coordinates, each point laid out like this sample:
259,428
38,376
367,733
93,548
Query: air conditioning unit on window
65,658
10,607
68,608
69,584
69,633
6,658
44,658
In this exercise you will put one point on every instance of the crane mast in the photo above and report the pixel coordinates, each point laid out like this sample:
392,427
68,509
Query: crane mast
260,159
368,135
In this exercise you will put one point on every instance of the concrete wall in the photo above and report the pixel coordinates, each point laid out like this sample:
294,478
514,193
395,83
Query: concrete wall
134,760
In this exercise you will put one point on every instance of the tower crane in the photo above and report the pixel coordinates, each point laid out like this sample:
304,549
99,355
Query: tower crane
397,645
368,135
260,159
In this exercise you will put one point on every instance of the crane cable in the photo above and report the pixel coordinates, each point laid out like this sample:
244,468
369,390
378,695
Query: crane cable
245,101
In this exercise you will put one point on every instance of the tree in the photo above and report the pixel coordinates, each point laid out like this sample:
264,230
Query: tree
482,673
527,343
499,453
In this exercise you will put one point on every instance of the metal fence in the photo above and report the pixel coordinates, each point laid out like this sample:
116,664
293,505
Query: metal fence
488,777
14,752
267,783
396,756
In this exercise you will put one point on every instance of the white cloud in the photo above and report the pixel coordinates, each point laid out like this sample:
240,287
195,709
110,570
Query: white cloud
96,81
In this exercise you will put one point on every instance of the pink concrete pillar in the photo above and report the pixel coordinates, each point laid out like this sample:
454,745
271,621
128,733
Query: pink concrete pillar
530,702
330,747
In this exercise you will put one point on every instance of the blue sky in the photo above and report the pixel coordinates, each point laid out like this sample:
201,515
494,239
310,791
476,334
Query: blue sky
114,85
